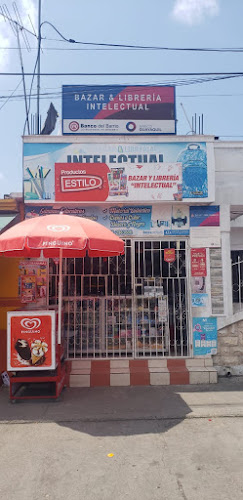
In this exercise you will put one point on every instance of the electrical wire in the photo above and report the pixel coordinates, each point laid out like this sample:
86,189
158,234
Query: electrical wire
11,95
143,47
129,48
226,74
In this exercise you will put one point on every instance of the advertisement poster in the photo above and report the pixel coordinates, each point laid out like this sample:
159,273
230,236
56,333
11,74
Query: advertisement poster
97,182
199,299
205,216
123,220
174,220
33,281
28,289
198,284
169,255
117,109
31,340
148,172
204,336
198,262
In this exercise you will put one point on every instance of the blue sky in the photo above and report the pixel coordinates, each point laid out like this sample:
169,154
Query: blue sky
167,23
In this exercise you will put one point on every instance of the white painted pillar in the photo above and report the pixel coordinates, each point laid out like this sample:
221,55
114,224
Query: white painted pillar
226,258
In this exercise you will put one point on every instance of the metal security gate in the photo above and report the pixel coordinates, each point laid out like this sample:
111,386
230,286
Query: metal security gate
134,305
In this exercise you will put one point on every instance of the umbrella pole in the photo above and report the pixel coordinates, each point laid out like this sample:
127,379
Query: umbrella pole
59,335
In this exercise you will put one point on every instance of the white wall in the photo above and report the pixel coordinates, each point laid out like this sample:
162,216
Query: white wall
229,173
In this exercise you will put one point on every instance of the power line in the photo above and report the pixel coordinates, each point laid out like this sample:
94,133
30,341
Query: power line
130,48
212,73
11,95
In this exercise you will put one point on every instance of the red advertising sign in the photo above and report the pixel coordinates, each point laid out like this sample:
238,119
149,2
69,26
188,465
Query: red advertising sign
198,262
31,340
169,255
81,181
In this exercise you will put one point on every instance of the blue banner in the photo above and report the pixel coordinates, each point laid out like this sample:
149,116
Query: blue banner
204,216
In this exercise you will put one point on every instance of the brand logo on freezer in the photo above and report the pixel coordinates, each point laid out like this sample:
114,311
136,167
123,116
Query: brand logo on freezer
80,183
30,324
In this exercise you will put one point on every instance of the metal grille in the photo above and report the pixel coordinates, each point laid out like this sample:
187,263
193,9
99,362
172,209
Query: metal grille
237,280
161,314
128,306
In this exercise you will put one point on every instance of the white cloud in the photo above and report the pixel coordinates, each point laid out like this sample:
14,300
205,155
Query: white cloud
7,38
195,11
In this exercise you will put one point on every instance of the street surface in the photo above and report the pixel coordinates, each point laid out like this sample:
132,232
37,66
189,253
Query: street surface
165,443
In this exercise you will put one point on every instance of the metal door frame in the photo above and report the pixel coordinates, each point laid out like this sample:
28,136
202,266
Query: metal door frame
133,352
176,238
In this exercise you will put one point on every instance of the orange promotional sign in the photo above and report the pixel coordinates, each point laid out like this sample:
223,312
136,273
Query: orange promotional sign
31,340
81,181
169,255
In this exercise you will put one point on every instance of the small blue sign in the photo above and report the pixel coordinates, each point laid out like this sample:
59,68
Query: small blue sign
199,299
205,336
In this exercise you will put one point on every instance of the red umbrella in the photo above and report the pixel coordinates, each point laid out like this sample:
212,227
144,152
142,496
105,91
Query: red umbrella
60,236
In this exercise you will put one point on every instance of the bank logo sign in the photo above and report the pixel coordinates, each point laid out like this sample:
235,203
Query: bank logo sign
118,109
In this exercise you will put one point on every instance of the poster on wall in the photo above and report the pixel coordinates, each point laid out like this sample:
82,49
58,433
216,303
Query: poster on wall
28,289
199,299
198,262
204,336
198,284
117,109
145,172
201,216
31,340
123,220
33,281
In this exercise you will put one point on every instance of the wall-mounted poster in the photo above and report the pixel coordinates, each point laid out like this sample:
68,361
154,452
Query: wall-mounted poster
28,289
33,281
198,284
208,215
125,220
204,336
199,299
198,262
31,340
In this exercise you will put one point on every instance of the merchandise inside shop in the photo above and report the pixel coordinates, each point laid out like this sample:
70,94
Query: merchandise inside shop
135,304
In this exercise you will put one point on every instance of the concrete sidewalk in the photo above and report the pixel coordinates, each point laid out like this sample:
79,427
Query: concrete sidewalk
136,443
129,403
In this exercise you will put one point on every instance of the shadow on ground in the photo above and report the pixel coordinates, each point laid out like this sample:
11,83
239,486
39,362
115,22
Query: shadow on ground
110,411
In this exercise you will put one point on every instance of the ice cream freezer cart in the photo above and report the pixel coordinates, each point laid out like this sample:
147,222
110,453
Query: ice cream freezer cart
35,360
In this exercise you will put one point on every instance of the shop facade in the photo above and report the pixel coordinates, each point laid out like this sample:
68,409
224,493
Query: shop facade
158,194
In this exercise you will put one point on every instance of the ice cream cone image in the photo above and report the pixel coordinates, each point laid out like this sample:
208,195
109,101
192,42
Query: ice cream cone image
38,350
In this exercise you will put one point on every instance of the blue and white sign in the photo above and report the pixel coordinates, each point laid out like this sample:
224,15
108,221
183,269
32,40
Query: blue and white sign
199,299
118,109
205,216
123,220
205,336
